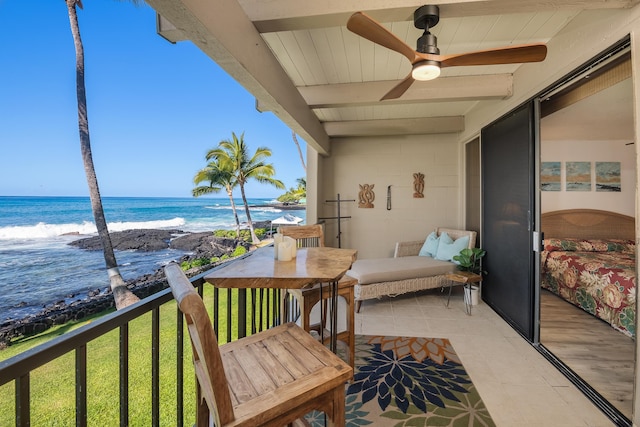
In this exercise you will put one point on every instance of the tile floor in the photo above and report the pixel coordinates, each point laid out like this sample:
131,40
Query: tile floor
517,384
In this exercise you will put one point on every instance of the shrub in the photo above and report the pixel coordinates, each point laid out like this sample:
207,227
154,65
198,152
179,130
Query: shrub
240,250
220,233
199,262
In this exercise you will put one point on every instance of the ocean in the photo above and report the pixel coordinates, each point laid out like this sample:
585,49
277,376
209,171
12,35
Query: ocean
38,267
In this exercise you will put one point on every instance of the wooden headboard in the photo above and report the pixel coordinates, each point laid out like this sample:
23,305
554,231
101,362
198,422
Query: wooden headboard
588,224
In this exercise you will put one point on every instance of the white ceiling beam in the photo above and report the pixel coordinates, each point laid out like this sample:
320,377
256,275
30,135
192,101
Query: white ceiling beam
461,88
417,126
214,27
289,15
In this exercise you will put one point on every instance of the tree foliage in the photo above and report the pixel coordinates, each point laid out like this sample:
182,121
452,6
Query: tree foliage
219,176
295,194
233,154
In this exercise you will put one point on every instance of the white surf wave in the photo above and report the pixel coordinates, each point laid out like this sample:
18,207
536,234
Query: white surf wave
240,208
46,231
164,223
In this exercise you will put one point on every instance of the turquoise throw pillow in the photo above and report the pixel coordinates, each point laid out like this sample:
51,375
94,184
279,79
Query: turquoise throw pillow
447,248
430,247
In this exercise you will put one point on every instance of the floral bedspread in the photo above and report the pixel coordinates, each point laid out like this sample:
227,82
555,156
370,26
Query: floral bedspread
595,275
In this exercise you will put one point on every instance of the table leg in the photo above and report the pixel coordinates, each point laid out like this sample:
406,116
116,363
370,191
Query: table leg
334,316
323,314
333,320
449,297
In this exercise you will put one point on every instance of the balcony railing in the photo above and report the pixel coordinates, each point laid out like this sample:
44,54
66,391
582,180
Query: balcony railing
155,387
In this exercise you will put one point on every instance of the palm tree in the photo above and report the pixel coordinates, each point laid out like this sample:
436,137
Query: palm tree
121,294
295,194
234,153
218,178
302,187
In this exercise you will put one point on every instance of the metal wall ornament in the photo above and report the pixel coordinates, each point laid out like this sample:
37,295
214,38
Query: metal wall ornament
418,185
366,196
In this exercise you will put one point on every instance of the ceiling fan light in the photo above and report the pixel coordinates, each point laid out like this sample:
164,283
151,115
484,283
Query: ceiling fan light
424,71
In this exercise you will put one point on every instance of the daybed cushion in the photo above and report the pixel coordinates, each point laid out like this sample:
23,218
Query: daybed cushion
376,270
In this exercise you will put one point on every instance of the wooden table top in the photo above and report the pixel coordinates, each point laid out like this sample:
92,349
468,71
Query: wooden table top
464,277
261,270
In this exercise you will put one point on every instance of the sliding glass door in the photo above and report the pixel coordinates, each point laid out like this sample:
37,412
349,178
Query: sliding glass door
508,212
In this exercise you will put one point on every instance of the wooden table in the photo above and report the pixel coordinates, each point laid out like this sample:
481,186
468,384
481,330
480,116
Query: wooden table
311,266
466,278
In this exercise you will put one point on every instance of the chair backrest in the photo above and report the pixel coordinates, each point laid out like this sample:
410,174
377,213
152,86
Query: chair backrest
307,236
206,354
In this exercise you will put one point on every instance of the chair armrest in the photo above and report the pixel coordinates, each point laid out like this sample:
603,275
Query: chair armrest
408,248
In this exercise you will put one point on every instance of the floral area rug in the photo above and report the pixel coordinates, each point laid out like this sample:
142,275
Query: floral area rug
408,381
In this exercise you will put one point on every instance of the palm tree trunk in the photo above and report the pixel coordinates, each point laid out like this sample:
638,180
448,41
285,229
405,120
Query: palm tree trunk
295,140
122,296
254,238
235,212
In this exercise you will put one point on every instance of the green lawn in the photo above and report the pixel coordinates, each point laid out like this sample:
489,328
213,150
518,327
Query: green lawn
52,386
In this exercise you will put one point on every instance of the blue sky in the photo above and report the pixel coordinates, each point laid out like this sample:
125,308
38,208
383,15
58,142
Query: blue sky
154,108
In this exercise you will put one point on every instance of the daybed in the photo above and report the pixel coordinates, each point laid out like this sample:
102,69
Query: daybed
408,271
589,260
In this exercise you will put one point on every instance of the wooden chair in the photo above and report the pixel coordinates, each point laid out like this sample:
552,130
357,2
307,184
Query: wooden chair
313,236
272,378
307,236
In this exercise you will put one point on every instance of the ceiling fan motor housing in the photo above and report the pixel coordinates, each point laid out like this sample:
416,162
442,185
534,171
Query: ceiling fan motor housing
427,43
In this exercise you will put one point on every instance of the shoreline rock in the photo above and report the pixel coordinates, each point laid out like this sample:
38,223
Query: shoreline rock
196,245
283,206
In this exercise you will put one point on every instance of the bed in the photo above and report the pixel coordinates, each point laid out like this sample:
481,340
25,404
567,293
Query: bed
588,259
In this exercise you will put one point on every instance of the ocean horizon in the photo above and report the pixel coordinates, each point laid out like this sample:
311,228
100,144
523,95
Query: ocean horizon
38,267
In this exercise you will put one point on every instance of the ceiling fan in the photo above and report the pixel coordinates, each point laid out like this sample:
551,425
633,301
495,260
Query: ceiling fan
426,59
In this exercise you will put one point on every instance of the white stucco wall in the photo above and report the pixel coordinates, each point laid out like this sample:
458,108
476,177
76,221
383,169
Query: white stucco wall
589,34
383,162
392,161
591,151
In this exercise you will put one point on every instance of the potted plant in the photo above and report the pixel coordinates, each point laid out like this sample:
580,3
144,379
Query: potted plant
469,260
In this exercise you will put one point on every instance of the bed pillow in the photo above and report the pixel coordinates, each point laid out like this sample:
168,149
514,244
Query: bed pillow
448,248
430,247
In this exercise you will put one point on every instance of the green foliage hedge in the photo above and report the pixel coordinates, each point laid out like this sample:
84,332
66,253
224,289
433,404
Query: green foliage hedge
245,235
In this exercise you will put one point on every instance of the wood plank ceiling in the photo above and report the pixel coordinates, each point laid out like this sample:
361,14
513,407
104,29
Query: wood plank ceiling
328,81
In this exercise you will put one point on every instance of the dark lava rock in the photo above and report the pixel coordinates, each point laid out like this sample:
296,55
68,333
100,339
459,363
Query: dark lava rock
205,245
198,245
192,241
139,240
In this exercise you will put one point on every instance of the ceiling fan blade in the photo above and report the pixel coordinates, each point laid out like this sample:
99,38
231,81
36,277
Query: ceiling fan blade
365,26
399,89
502,55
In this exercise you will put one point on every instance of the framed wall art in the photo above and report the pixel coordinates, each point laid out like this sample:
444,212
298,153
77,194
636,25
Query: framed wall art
608,176
550,176
578,176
